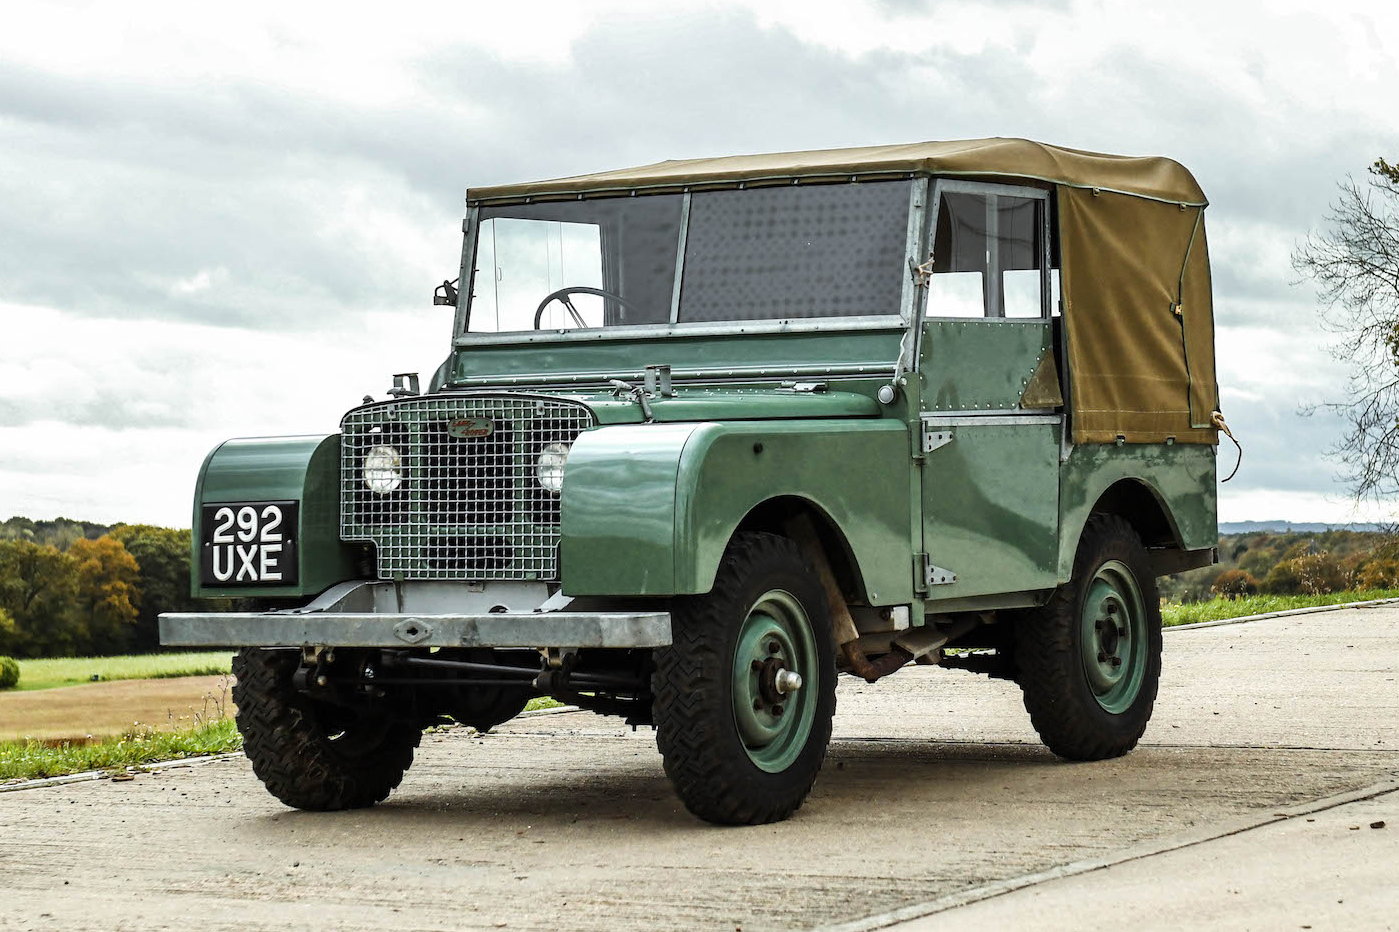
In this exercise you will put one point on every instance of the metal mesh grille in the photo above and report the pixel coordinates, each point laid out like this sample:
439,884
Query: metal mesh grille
470,505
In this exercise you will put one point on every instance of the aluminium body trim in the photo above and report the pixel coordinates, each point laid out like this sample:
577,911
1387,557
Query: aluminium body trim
988,419
717,374
890,322
680,259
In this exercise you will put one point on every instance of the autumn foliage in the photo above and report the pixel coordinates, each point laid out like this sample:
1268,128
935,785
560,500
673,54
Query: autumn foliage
91,595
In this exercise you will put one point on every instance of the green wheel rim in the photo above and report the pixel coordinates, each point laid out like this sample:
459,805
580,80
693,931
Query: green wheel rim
1113,637
775,636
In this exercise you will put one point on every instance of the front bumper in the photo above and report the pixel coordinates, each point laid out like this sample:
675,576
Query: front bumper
355,615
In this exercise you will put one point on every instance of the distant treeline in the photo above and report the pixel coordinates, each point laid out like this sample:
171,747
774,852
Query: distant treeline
1291,563
74,588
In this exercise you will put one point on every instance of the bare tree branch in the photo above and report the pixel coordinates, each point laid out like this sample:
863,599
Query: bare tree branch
1354,263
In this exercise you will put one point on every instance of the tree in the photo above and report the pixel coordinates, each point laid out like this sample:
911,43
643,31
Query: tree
38,589
163,555
1354,263
108,584
1234,584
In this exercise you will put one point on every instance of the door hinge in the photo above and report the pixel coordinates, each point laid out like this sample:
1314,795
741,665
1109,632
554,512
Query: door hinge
934,437
929,575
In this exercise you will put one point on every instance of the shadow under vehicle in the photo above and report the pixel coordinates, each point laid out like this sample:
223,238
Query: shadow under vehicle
715,431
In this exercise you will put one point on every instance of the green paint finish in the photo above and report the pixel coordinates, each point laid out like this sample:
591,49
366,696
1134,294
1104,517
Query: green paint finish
618,510
803,354
303,469
990,508
980,364
1113,637
1180,477
774,725
649,509
736,403
854,471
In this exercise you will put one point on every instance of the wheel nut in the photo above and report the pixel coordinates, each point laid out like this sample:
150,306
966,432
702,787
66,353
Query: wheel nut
1117,661
1122,631
757,705
1102,657
1112,608
756,665
777,710
774,647
787,681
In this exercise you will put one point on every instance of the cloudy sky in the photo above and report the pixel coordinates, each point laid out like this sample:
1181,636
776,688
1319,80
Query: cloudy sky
229,224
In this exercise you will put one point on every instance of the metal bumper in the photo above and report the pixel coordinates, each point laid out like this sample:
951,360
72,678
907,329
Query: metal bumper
355,615
281,629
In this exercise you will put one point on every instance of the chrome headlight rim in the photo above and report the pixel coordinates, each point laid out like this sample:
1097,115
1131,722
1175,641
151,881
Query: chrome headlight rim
382,472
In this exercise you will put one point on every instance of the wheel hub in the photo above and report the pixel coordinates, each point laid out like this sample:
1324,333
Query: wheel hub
774,653
1113,637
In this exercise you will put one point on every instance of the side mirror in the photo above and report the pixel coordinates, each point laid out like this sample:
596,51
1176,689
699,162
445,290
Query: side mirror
445,294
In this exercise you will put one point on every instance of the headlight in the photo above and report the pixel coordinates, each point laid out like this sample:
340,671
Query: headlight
381,467
549,467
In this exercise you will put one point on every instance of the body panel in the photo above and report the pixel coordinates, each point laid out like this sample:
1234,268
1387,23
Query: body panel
990,508
648,510
1181,477
760,350
855,471
304,469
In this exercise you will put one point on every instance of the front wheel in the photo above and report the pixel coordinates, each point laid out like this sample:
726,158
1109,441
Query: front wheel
745,694
313,755
1089,661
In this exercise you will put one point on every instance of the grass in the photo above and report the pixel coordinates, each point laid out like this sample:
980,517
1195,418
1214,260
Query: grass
29,760
70,671
1221,608
32,759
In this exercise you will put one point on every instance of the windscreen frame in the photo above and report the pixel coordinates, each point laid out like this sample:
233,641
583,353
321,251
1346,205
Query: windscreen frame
917,185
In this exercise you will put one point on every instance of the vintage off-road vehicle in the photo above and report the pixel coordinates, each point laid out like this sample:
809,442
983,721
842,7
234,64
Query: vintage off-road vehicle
714,431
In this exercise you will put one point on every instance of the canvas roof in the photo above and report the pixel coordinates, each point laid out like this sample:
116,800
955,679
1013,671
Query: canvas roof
1145,176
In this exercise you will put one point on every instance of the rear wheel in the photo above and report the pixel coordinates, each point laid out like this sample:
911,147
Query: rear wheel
313,755
1090,660
745,694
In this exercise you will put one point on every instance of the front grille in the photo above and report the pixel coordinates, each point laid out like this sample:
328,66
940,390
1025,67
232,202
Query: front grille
469,507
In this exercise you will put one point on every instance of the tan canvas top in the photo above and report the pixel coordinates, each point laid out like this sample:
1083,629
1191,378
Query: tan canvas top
1146,176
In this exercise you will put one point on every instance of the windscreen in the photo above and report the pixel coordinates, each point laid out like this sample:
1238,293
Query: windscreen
575,264
786,252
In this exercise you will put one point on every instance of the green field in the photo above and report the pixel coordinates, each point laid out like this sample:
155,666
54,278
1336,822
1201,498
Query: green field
70,671
1221,608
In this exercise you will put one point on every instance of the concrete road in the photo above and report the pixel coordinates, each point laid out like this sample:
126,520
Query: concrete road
937,807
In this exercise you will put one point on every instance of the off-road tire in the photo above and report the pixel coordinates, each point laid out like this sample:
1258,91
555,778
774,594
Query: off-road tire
700,745
1049,662
291,750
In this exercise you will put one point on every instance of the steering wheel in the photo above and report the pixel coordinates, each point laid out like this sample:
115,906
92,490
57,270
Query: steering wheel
562,297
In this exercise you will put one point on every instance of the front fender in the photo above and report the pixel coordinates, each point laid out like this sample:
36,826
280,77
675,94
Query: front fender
262,469
649,509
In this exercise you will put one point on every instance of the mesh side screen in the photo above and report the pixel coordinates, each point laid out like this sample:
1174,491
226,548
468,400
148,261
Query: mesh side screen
469,505
795,252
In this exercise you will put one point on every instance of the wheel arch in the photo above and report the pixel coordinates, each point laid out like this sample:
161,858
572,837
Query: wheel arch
778,514
1142,505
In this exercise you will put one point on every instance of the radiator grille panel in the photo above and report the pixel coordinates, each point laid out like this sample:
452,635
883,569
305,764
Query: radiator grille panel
469,506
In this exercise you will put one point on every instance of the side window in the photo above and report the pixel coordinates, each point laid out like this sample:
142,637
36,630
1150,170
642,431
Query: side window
988,256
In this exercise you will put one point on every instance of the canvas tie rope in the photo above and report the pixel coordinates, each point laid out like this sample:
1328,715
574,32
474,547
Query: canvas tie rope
1217,420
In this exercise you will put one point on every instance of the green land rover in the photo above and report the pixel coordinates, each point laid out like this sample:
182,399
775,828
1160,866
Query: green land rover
715,431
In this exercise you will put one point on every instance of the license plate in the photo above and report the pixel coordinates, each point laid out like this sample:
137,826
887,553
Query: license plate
248,544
